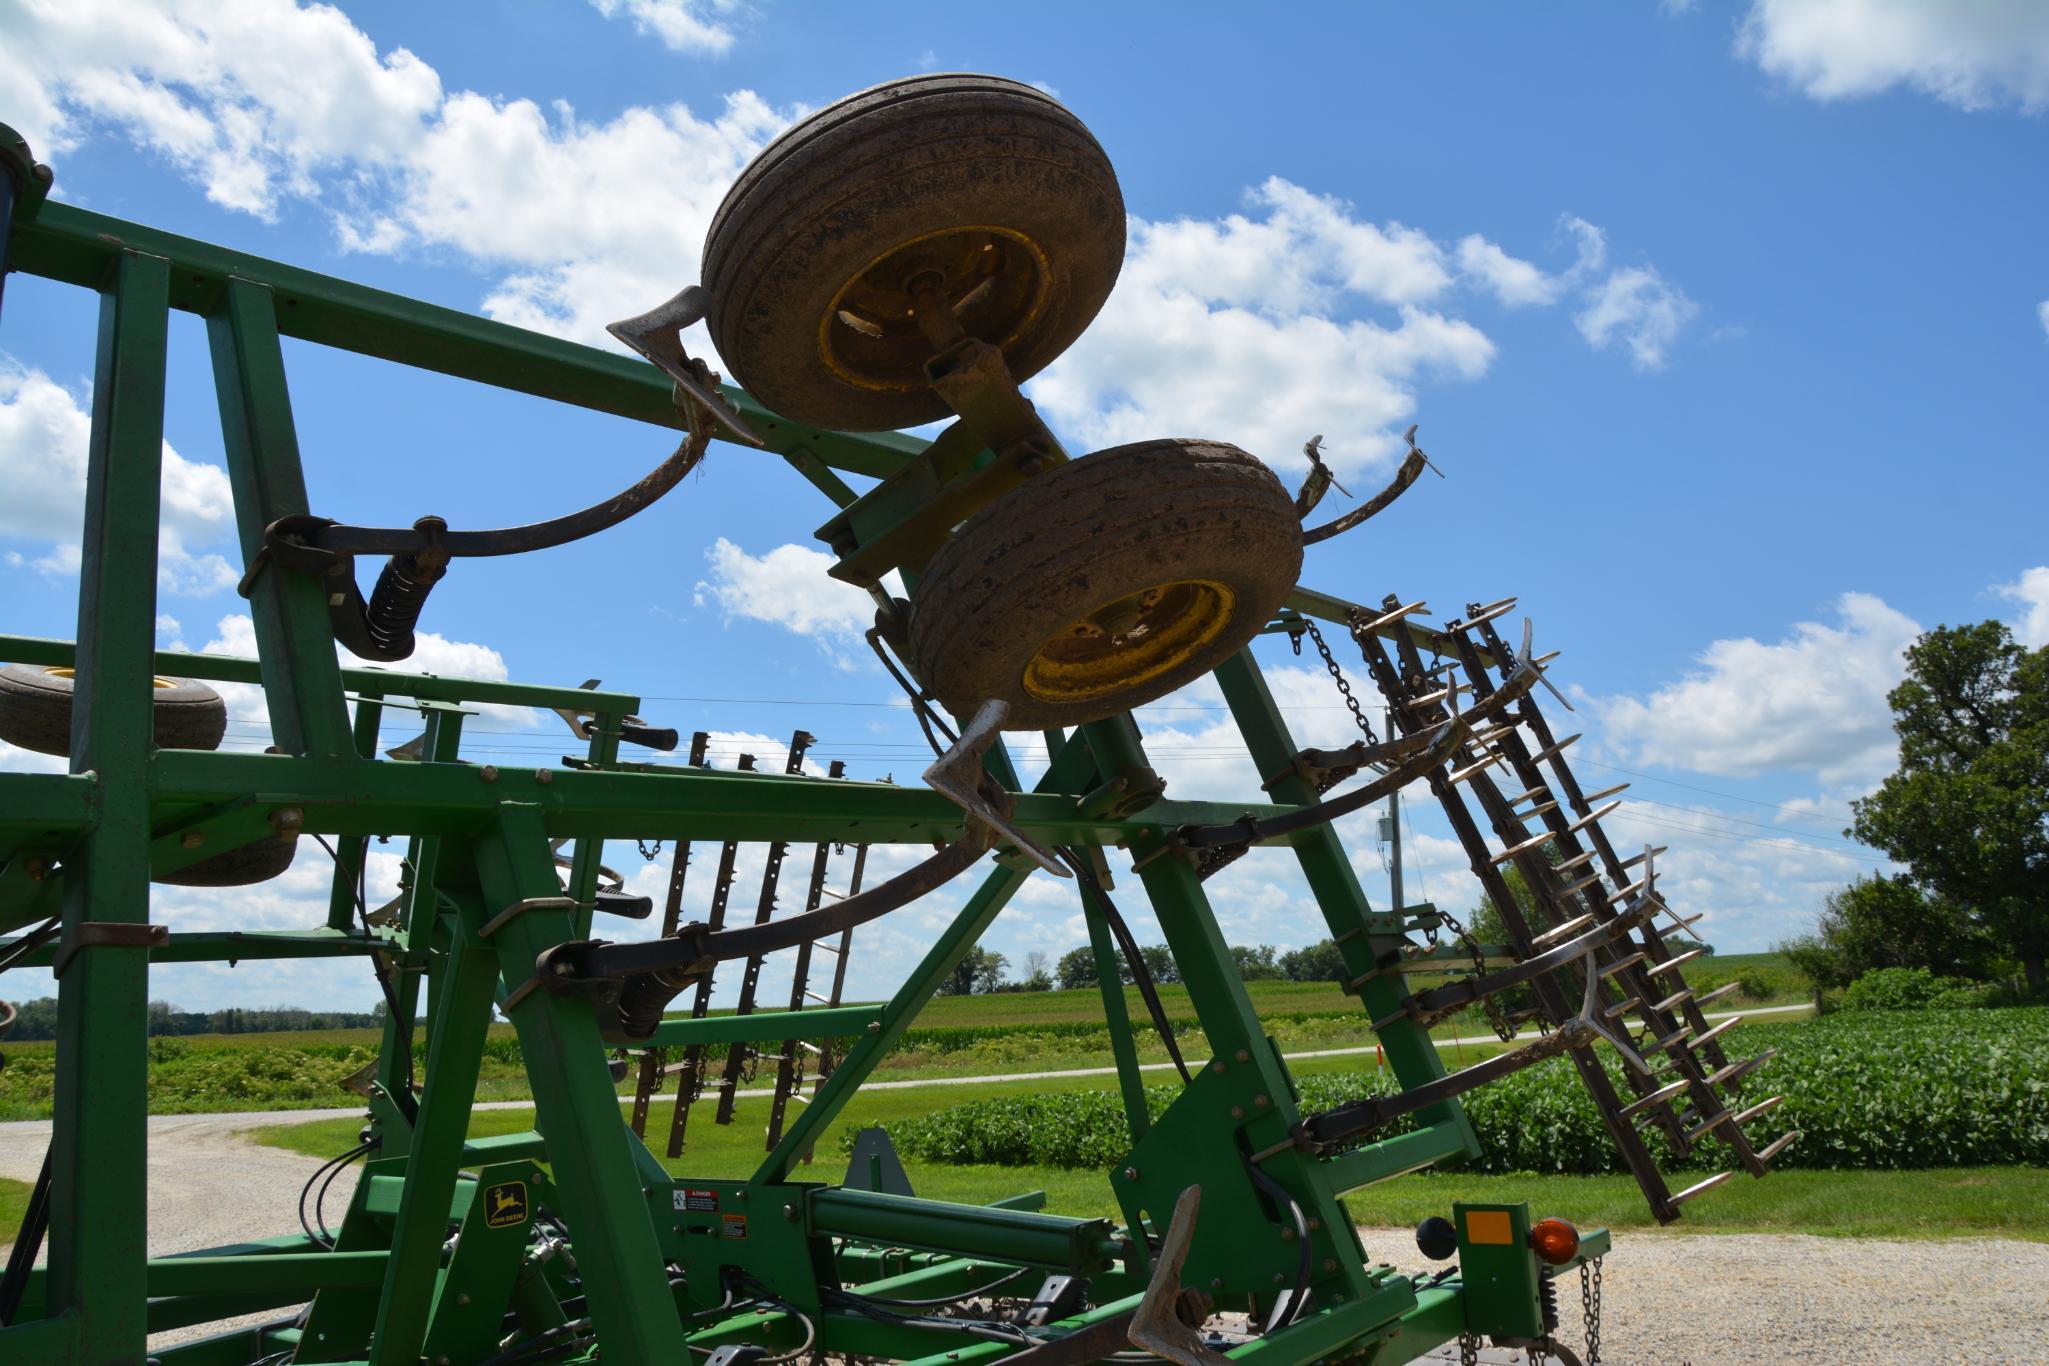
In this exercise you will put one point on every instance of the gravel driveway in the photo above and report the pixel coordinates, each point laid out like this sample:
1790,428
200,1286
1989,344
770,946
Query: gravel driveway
1669,1297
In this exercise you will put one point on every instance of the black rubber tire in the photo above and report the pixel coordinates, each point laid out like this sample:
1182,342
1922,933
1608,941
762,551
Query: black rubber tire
1042,557
257,861
883,168
35,711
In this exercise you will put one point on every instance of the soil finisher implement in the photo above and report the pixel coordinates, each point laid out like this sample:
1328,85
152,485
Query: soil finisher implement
908,255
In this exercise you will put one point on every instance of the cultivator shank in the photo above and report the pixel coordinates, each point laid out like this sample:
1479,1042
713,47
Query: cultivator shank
980,229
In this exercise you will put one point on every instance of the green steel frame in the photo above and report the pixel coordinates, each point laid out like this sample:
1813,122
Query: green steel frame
396,1288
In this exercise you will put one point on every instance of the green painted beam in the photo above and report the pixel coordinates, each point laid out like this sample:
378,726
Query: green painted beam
348,796
99,1122
1019,1237
1326,607
301,1271
1395,1156
392,682
76,246
33,804
236,946
835,1021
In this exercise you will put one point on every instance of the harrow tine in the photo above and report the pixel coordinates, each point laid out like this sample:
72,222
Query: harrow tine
1701,1187
1672,964
1562,931
1676,1036
1779,1145
1387,619
1717,1032
1579,860
1726,989
1695,1131
1575,888
1737,1071
1484,615
1657,1097
1474,770
1761,1107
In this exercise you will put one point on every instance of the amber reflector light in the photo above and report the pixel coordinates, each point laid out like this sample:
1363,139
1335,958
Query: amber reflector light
1554,1240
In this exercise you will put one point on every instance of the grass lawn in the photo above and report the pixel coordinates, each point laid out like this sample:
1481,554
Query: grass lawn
1946,1203
13,1204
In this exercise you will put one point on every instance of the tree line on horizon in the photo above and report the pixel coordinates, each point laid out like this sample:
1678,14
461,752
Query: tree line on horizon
38,1020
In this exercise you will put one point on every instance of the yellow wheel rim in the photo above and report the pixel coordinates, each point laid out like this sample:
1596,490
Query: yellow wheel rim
997,280
1130,641
66,671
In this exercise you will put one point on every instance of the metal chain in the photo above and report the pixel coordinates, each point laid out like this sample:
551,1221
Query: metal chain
1469,1349
1337,676
1590,1304
1489,1006
649,854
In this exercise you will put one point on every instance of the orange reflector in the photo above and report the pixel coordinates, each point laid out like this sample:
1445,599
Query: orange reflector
1554,1240
1488,1226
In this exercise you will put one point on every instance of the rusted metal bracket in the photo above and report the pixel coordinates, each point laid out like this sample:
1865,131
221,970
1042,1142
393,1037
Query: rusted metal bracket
107,934
958,775
1411,470
1158,1326
658,335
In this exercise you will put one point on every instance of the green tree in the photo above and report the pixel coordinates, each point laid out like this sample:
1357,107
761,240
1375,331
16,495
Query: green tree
1890,922
1322,961
1037,976
1485,921
1260,963
1968,810
1159,962
1076,968
979,970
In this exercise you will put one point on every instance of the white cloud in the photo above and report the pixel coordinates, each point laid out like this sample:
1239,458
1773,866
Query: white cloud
620,227
1973,54
44,445
249,717
2031,591
1515,282
266,102
1234,329
1246,328
680,24
2042,314
249,99
1640,308
1814,701
787,587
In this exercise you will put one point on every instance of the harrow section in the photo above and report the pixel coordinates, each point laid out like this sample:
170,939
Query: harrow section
794,1056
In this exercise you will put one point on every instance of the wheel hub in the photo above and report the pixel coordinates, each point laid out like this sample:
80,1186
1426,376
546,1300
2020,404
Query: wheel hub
1130,640
995,279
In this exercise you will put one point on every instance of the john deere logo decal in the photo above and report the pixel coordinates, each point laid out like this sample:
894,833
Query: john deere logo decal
505,1204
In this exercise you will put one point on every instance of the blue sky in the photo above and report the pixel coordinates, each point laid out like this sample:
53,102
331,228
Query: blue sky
1729,325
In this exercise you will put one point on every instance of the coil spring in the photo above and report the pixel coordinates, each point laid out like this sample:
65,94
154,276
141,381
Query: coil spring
1547,1296
396,602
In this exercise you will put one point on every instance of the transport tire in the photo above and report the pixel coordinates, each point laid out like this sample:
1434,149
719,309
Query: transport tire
1106,582
991,183
35,710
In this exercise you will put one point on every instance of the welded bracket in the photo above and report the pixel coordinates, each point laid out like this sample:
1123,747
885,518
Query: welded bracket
658,335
